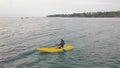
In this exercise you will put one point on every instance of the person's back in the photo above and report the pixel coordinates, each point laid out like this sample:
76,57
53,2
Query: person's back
62,43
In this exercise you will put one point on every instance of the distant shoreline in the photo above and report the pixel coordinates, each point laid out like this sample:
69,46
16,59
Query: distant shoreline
89,14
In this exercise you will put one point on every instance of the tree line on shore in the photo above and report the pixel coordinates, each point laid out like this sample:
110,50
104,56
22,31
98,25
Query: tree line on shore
89,14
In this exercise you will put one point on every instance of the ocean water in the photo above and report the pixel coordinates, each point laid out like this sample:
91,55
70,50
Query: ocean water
96,42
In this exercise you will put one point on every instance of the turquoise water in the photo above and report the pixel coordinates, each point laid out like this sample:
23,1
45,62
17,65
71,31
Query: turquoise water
96,42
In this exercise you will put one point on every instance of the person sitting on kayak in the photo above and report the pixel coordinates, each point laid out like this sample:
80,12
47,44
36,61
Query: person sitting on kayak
61,45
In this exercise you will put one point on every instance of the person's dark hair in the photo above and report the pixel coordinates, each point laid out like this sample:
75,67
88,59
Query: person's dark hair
62,40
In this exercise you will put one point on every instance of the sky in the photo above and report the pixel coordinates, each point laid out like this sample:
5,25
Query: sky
39,8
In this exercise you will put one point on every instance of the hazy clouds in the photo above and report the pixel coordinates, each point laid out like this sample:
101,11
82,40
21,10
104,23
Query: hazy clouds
44,7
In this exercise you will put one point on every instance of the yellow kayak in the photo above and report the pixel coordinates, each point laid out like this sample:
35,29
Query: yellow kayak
54,49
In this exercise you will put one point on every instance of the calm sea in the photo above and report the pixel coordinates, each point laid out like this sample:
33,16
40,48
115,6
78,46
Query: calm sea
96,42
